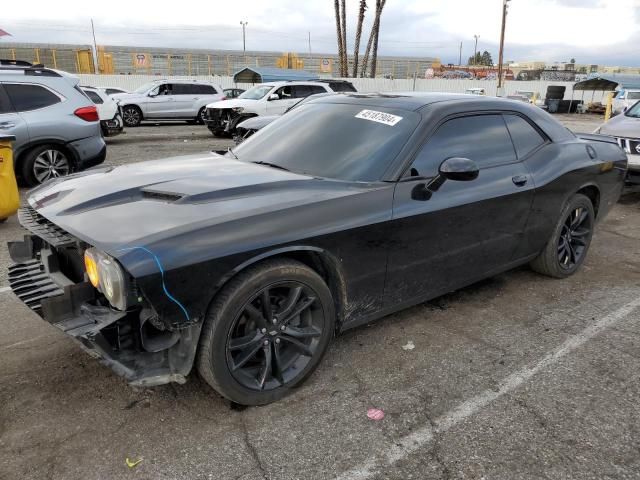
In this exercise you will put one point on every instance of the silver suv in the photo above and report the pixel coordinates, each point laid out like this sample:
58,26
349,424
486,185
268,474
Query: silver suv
168,100
56,126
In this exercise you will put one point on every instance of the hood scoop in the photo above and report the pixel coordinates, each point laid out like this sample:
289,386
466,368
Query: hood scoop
161,196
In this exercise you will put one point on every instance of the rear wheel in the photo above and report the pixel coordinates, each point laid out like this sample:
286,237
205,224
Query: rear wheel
43,163
131,116
566,250
201,116
266,332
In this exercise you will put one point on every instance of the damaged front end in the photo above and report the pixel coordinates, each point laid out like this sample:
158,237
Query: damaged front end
50,277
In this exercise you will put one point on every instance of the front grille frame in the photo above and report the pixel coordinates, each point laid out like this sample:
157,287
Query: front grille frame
40,226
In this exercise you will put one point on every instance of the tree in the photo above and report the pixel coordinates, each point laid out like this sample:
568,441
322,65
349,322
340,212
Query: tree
356,48
483,58
345,60
372,38
573,60
341,45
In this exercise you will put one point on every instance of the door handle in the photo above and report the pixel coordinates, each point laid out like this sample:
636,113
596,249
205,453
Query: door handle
519,180
7,125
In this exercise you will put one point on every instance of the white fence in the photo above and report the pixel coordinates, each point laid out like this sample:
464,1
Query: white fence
130,82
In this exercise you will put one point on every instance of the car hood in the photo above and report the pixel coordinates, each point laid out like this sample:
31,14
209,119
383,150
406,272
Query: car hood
150,204
256,123
621,126
233,103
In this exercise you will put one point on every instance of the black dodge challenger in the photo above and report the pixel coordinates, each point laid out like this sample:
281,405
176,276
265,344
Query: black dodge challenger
246,265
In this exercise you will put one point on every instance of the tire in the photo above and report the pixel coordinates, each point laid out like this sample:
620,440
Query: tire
235,326
44,162
200,117
569,243
2,220
131,116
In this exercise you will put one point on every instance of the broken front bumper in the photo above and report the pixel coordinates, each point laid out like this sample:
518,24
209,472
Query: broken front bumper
131,343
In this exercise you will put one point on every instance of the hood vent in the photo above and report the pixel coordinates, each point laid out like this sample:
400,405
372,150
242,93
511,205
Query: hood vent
161,196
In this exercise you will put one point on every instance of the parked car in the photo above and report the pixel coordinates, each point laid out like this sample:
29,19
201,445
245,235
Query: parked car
625,129
56,126
246,128
624,99
108,111
113,90
341,212
272,98
168,100
233,92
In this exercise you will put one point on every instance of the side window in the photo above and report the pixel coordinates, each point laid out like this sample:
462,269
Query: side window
165,89
205,89
30,97
5,105
182,89
94,97
317,89
481,138
342,87
301,91
525,137
285,93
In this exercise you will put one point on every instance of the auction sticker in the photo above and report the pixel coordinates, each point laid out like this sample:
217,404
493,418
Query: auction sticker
380,117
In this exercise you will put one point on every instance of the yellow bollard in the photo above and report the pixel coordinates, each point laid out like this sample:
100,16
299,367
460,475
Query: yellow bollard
607,112
9,197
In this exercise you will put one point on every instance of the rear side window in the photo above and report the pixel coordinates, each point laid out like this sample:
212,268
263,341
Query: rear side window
5,106
183,89
342,87
94,97
481,138
30,97
205,89
525,138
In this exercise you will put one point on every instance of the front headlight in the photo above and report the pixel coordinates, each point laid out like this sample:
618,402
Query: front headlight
107,276
238,109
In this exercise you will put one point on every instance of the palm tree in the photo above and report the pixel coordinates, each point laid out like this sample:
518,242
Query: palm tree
345,61
339,34
373,39
356,49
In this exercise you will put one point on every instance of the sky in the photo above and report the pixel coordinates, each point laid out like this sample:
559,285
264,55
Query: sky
605,32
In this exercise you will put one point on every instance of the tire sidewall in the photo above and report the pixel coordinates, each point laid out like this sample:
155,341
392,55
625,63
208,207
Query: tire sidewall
223,317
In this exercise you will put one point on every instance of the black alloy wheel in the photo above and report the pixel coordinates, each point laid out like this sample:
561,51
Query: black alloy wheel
572,242
275,335
567,248
266,331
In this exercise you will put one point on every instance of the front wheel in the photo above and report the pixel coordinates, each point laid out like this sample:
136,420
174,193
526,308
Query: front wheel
43,163
567,248
266,332
131,115
202,115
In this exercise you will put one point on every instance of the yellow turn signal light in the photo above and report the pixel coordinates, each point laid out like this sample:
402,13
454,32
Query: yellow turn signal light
91,265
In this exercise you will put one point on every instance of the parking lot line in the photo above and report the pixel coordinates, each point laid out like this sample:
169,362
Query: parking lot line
5,289
405,446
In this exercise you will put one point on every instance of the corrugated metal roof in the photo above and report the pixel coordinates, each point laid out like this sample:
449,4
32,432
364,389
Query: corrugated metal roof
269,74
609,82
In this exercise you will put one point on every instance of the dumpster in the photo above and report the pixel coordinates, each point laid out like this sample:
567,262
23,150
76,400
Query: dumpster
9,197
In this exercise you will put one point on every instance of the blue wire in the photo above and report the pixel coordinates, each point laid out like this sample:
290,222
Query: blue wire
164,286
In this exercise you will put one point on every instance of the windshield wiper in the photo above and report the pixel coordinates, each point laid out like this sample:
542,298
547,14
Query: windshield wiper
232,153
273,165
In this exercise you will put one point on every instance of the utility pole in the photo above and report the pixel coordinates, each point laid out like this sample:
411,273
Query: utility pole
475,49
244,39
504,21
95,49
309,45
460,56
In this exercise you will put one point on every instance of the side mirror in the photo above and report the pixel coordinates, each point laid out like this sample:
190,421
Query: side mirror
274,96
454,168
152,94
458,168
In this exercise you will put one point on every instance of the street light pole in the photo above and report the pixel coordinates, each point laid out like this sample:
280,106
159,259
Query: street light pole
475,49
244,41
504,22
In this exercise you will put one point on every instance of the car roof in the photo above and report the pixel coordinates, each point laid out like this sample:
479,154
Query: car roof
182,80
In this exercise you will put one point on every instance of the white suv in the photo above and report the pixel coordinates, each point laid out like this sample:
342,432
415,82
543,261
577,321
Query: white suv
272,98
168,100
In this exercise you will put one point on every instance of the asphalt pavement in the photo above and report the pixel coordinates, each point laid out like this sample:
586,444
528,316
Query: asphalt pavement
516,377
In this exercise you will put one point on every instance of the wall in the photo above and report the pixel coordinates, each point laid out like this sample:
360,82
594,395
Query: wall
130,82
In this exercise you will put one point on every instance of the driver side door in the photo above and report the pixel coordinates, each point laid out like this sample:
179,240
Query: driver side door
159,102
466,229
286,98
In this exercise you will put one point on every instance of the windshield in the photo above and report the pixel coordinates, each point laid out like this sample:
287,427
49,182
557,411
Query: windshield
145,87
341,141
256,93
633,111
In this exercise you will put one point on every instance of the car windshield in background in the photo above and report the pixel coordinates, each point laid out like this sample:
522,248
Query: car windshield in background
633,111
256,93
145,87
345,142
633,96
